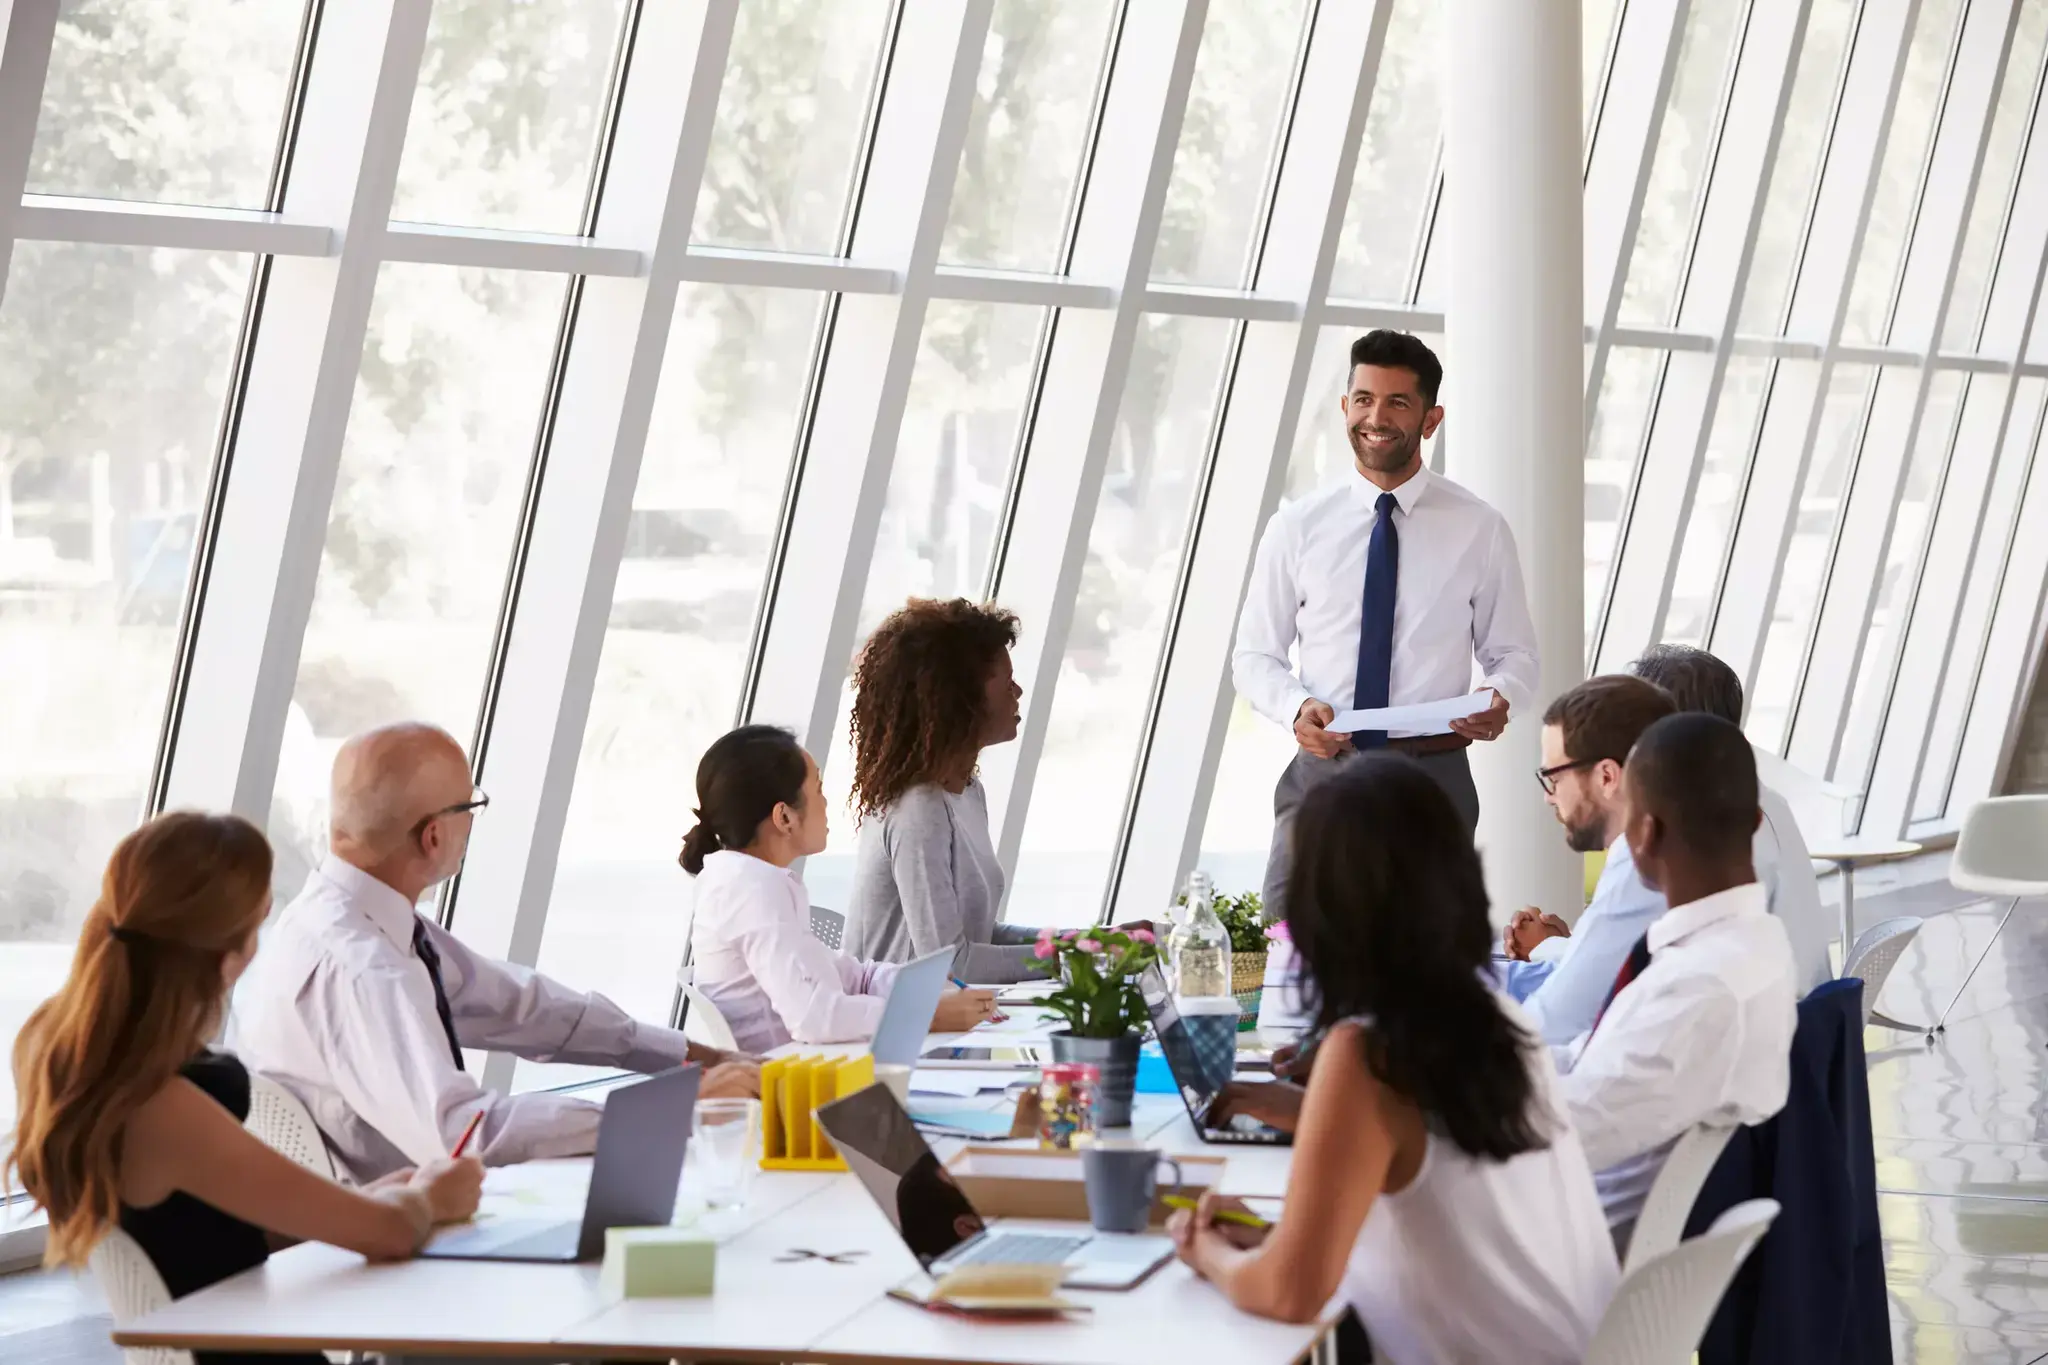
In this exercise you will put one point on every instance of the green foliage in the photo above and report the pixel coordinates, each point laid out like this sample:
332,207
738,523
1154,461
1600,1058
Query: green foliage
1244,919
1098,968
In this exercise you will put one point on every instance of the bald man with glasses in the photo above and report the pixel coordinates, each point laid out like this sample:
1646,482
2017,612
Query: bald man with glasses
361,1006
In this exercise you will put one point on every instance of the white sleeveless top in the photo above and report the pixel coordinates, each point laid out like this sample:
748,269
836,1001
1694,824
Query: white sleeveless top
1481,1261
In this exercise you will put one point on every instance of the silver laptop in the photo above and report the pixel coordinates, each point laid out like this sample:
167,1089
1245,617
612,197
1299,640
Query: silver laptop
907,1017
640,1144
939,1224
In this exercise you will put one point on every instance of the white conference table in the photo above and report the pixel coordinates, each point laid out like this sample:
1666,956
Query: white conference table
764,1309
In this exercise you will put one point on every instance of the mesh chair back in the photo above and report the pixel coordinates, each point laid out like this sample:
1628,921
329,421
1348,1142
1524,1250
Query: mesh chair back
129,1280
1670,1201
1663,1306
1876,952
828,927
281,1122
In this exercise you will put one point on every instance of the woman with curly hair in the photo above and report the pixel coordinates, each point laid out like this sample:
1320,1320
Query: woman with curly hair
933,688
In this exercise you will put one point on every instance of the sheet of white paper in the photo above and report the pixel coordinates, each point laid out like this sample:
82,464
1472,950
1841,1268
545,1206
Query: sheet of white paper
1418,718
964,1084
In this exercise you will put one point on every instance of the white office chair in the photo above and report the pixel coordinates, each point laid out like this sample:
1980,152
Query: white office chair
828,927
129,1280
2002,851
277,1117
1877,951
702,1022
1662,1221
1663,1306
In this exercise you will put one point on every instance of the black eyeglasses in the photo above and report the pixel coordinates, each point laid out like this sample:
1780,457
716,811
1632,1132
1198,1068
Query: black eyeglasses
1546,778
476,802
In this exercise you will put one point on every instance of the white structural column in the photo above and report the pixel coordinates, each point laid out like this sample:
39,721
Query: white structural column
1039,575
667,108
27,28
256,592
1271,381
850,446
1516,338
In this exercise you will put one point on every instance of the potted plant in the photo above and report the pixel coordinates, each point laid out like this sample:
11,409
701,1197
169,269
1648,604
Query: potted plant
1105,1012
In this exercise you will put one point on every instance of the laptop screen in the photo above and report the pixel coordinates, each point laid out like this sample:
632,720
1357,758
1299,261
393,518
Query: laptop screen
915,1193
1197,1090
907,1017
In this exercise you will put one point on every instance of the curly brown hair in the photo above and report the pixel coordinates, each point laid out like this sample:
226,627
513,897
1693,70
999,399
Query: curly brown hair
919,689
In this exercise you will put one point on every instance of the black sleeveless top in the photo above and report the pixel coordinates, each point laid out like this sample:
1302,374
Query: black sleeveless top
191,1243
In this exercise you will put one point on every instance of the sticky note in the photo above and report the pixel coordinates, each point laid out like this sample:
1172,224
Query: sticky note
657,1263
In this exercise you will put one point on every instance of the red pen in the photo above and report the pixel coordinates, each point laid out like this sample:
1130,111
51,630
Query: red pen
462,1142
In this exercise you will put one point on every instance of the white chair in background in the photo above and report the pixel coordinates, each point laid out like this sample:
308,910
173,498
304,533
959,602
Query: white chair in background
2002,851
129,1280
702,1023
1877,951
1662,1221
277,1117
1662,1308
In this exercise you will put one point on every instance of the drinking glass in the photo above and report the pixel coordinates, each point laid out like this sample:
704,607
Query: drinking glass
726,1146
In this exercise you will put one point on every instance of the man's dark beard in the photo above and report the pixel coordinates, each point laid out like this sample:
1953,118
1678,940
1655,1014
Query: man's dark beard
1590,837
1388,460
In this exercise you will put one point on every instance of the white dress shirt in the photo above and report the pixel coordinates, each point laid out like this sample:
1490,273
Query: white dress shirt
1703,1035
1786,871
339,1010
1458,596
757,960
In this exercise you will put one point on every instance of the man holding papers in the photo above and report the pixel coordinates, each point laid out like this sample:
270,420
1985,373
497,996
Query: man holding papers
1388,586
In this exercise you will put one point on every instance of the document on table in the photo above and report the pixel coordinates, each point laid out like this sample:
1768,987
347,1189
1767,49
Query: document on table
962,1084
1417,718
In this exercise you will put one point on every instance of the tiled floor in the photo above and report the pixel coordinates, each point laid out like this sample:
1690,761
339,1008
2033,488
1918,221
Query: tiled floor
1961,1127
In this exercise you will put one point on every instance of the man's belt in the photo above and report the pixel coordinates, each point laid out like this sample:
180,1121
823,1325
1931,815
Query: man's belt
1420,746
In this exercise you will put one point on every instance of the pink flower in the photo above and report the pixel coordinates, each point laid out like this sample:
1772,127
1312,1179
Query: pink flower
1089,945
1045,935
1143,936
1044,949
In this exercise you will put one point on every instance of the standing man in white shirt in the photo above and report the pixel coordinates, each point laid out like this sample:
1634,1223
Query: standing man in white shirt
1390,585
1698,681
1699,1026
361,1006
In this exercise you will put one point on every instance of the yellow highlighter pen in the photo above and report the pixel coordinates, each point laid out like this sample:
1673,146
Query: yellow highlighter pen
1249,1220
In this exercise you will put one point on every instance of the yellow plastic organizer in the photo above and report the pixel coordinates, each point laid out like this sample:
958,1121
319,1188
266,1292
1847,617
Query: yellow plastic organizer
792,1089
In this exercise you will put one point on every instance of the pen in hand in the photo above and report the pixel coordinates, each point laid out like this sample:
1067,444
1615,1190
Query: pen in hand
995,1016
462,1143
1249,1220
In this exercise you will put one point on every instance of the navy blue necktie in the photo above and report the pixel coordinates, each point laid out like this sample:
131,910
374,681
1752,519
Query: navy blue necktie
430,958
1376,623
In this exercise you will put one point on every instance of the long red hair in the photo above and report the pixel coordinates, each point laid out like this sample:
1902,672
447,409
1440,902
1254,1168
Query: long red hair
145,992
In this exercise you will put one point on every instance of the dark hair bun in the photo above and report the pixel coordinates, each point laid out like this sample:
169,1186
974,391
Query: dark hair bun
700,843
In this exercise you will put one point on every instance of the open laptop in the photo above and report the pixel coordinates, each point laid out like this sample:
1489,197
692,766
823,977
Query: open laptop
907,1016
940,1225
640,1144
1199,1084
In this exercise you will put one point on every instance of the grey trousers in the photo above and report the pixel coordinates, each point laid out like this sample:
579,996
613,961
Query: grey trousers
1452,771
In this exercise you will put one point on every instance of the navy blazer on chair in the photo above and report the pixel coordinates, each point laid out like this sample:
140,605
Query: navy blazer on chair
1812,1293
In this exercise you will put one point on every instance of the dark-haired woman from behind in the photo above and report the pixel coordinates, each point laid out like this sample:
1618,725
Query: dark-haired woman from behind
126,1119
760,808
1436,1187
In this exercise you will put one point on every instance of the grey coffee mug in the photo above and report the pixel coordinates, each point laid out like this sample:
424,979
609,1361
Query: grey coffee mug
1121,1184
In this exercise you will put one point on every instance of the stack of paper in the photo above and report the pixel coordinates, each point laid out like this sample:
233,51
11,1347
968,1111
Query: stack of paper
1416,718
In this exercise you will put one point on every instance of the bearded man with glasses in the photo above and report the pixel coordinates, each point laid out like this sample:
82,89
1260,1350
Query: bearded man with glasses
1563,974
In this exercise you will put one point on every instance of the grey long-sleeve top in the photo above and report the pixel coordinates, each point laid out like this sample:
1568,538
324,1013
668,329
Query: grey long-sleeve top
925,877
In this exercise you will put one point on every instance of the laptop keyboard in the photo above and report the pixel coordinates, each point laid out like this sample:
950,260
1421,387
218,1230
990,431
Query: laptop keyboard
1021,1248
